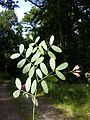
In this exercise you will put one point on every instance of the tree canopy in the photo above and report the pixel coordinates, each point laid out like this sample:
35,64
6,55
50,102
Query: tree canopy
68,21
9,4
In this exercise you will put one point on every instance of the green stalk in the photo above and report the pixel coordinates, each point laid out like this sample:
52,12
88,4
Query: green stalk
34,105
33,111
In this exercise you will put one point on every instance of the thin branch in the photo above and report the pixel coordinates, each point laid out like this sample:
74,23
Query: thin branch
34,4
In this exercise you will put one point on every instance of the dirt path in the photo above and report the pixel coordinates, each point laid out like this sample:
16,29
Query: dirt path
47,112
7,111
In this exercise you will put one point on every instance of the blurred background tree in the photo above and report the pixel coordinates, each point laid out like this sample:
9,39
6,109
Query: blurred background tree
68,21
10,36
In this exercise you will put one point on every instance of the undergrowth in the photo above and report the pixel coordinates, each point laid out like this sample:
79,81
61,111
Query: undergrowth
72,99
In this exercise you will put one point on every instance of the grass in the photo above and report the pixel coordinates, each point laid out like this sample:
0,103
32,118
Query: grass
73,100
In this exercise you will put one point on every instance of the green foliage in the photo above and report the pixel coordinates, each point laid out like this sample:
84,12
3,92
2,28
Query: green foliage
21,48
21,63
31,71
39,73
29,51
72,99
14,56
34,86
70,23
62,66
16,93
44,68
60,75
9,4
44,86
37,65
52,63
34,66
7,19
52,78
26,68
28,84
51,40
9,39
18,83
55,48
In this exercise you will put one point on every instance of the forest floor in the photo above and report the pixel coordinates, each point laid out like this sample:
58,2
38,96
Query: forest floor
67,102
7,111
45,111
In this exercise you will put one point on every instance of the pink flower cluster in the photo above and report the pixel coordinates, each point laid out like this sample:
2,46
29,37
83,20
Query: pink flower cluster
76,71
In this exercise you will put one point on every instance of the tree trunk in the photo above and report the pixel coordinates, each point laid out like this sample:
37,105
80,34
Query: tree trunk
59,23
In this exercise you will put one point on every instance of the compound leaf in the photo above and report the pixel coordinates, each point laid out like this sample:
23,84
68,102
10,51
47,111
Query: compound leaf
55,48
39,60
21,48
37,39
16,93
51,39
44,68
52,63
28,84
29,51
31,71
39,73
18,83
21,63
62,66
60,75
35,57
15,55
51,55
34,86
26,68
44,86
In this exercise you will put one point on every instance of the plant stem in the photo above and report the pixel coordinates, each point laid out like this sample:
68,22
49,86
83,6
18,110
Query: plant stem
33,111
34,105
46,76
